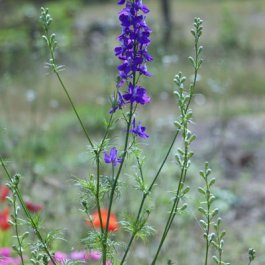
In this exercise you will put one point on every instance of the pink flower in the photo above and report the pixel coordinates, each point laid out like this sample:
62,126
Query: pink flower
78,255
9,261
93,255
60,257
5,252
108,262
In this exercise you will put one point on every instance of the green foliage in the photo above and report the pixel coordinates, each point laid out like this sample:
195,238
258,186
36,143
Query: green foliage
229,32
211,223
252,254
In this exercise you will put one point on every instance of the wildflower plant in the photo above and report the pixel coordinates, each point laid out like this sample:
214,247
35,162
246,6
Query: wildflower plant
129,94
211,223
40,252
99,191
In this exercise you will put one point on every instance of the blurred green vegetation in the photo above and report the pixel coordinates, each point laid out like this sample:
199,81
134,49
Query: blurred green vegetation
42,140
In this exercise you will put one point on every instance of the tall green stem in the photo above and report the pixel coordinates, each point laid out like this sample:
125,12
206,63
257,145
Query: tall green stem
184,111
19,249
74,109
28,215
176,200
165,158
114,185
207,242
50,39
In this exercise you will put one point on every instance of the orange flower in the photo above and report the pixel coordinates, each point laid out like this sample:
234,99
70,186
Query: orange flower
33,207
113,223
4,216
4,191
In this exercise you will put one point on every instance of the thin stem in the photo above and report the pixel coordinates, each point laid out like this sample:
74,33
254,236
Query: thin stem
106,134
98,175
208,229
196,69
220,256
163,162
97,195
74,109
137,218
97,152
140,168
208,220
184,111
114,185
28,215
16,231
122,162
176,200
135,232
134,82
113,172
167,154
54,67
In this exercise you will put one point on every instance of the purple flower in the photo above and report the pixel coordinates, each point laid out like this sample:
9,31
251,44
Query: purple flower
112,157
121,2
139,130
117,103
133,54
136,94
145,9
134,40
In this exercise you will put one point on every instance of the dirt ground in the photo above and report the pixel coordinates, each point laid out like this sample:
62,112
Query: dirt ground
238,146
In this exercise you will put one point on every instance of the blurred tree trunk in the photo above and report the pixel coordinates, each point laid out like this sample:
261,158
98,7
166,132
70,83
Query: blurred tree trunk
166,14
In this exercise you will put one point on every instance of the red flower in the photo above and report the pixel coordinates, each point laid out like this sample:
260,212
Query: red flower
113,223
33,207
4,191
4,216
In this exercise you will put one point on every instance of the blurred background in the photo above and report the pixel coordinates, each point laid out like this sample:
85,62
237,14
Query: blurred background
41,138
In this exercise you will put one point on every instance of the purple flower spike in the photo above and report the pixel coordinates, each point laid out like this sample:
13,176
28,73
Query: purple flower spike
112,157
133,54
132,51
139,130
137,94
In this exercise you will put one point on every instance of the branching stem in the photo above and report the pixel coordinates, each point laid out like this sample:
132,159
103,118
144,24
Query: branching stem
28,215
